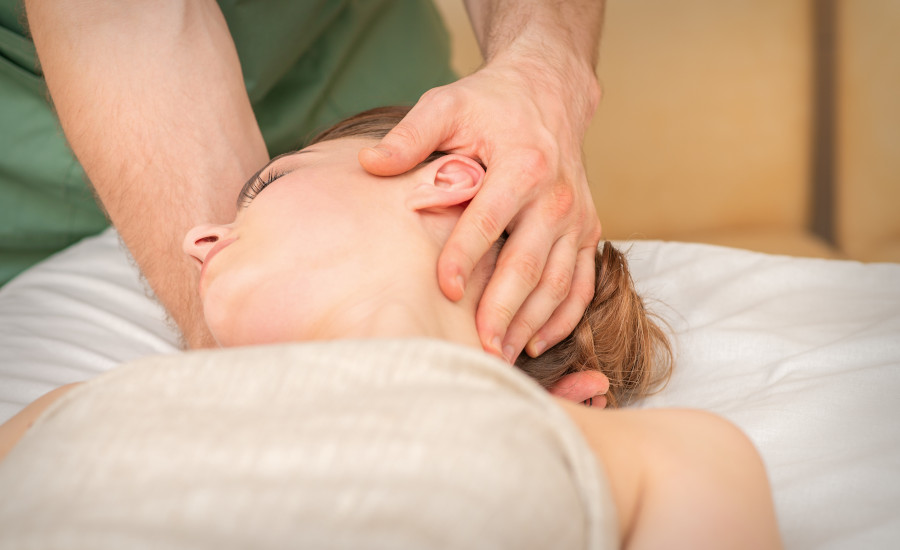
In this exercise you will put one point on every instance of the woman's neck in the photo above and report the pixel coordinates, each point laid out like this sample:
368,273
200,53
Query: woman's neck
409,307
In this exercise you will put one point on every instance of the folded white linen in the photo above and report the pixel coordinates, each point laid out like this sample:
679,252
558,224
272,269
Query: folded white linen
348,444
75,315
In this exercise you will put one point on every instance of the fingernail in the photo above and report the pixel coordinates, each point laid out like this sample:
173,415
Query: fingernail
497,344
539,348
461,283
382,152
509,353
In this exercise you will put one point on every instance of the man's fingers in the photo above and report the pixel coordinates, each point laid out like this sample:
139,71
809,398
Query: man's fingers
421,132
518,271
566,317
553,288
478,228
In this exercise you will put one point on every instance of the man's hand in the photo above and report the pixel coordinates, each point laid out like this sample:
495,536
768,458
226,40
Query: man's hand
523,115
527,127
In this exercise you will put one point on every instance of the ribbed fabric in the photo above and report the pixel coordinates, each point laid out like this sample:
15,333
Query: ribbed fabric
347,444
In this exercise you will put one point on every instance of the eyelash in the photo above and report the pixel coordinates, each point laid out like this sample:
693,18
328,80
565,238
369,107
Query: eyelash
257,187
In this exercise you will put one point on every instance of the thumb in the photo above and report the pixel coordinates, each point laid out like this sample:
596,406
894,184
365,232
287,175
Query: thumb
410,142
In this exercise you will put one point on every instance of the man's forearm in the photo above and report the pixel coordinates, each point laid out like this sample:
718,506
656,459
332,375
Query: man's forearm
152,101
571,27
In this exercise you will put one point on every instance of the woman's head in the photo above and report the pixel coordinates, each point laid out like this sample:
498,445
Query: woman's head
322,249
318,242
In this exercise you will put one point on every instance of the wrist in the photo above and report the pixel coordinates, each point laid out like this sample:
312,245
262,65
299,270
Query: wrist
553,44
569,80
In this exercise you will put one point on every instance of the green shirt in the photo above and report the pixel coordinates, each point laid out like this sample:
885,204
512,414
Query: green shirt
306,65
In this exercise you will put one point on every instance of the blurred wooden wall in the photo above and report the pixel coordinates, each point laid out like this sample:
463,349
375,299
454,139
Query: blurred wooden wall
711,126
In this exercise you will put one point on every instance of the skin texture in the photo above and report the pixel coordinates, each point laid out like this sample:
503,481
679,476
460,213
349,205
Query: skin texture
288,268
681,479
300,262
157,180
524,115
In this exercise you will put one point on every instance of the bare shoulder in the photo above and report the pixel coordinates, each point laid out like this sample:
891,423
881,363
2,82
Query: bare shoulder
681,475
14,428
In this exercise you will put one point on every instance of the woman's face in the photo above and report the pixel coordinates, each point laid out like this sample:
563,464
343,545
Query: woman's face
296,249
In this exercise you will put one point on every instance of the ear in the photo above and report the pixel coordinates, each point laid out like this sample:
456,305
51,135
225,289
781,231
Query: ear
201,239
582,386
448,181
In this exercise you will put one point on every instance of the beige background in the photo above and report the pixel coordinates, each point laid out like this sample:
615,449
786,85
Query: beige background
868,164
705,131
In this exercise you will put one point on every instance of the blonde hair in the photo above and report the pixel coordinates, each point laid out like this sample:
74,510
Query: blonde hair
617,335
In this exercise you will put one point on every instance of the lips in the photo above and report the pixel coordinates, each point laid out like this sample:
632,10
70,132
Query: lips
209,256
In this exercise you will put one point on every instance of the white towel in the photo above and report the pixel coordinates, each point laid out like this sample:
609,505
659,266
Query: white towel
345,444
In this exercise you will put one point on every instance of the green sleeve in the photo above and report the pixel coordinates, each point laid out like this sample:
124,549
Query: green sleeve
306,64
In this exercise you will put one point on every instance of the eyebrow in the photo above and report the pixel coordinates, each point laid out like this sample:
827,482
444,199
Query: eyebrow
259,172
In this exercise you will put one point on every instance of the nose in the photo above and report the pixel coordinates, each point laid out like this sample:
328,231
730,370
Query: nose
200,240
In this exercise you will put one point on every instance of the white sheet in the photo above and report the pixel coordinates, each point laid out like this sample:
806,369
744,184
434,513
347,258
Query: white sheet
803,354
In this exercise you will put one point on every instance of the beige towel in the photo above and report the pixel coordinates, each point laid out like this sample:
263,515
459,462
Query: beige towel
347,444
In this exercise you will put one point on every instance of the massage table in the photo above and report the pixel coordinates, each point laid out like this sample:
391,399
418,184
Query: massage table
802,354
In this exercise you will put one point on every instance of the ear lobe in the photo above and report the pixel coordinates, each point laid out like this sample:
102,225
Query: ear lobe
581,386
449,181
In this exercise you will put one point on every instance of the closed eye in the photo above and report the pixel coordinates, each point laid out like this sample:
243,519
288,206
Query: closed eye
258,181
256,186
